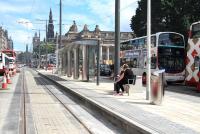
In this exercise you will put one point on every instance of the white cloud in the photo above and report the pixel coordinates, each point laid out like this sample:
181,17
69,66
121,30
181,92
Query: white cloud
21,37
73,3
25,22
127,11
13,8
106,12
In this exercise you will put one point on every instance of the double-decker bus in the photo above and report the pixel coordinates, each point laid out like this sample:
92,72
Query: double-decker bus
193,56
167,52
4,63
12,55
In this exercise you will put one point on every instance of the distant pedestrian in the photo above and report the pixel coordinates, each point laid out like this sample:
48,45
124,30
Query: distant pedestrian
126,74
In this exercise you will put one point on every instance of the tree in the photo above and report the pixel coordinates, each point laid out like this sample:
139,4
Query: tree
43,46
167,15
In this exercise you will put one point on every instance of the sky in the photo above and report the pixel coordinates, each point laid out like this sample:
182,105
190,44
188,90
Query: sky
21,17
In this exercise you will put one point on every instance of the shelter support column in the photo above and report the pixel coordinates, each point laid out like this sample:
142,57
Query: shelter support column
64,65
76,65
69,64
107,54
85,63
100,54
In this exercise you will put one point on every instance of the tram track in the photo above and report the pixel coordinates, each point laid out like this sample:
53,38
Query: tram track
44,82
23,105
88,118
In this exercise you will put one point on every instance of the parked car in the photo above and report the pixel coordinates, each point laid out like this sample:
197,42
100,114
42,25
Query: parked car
105,69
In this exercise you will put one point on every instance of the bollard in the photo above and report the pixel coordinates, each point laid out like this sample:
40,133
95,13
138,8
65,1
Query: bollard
157,87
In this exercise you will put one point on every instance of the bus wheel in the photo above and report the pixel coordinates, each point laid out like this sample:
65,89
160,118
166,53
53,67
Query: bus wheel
144,79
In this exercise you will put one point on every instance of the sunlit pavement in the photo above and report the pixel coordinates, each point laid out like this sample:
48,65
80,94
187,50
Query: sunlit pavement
179,113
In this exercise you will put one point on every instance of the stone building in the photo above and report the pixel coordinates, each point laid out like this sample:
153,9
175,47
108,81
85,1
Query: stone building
3,39
10,43
36,40
80,49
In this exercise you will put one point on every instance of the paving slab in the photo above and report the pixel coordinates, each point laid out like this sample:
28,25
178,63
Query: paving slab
179,113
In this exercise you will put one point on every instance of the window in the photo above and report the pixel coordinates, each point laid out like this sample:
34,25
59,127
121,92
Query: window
170,39
196,30
196,63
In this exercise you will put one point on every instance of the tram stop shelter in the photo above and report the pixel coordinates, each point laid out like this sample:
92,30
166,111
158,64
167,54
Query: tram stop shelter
79,59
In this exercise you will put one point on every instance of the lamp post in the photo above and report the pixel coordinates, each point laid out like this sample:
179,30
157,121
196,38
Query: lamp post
60,39
148,50
117,37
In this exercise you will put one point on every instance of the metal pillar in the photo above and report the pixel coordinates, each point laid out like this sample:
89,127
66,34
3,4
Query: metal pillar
117,37
60,40
98,62
39,52
148,50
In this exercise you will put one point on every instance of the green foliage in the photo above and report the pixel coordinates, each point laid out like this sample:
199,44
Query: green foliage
166,15
45,48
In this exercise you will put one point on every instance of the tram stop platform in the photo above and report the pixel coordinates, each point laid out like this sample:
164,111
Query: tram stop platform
178,114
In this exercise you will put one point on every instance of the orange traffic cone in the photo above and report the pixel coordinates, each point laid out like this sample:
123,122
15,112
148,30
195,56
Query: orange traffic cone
8,79
4,84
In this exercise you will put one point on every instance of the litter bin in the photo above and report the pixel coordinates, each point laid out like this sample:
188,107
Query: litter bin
157,87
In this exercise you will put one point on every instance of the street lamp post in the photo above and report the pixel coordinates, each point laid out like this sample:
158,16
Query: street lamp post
46,45
117,37
148,50
39,52
60,40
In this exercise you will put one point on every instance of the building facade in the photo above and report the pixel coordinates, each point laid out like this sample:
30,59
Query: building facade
36,40
4,41
79,50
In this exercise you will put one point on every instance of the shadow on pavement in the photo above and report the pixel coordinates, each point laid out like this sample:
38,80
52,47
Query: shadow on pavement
39,80
178,88
56,78
140,103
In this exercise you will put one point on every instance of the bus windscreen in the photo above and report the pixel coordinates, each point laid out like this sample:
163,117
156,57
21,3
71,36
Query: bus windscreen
195,31
170,39
171,59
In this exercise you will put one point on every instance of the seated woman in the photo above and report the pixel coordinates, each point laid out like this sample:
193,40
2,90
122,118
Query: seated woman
123,79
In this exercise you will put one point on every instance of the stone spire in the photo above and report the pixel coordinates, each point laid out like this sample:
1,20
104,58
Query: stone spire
85,28
73,28
50,32
97,30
